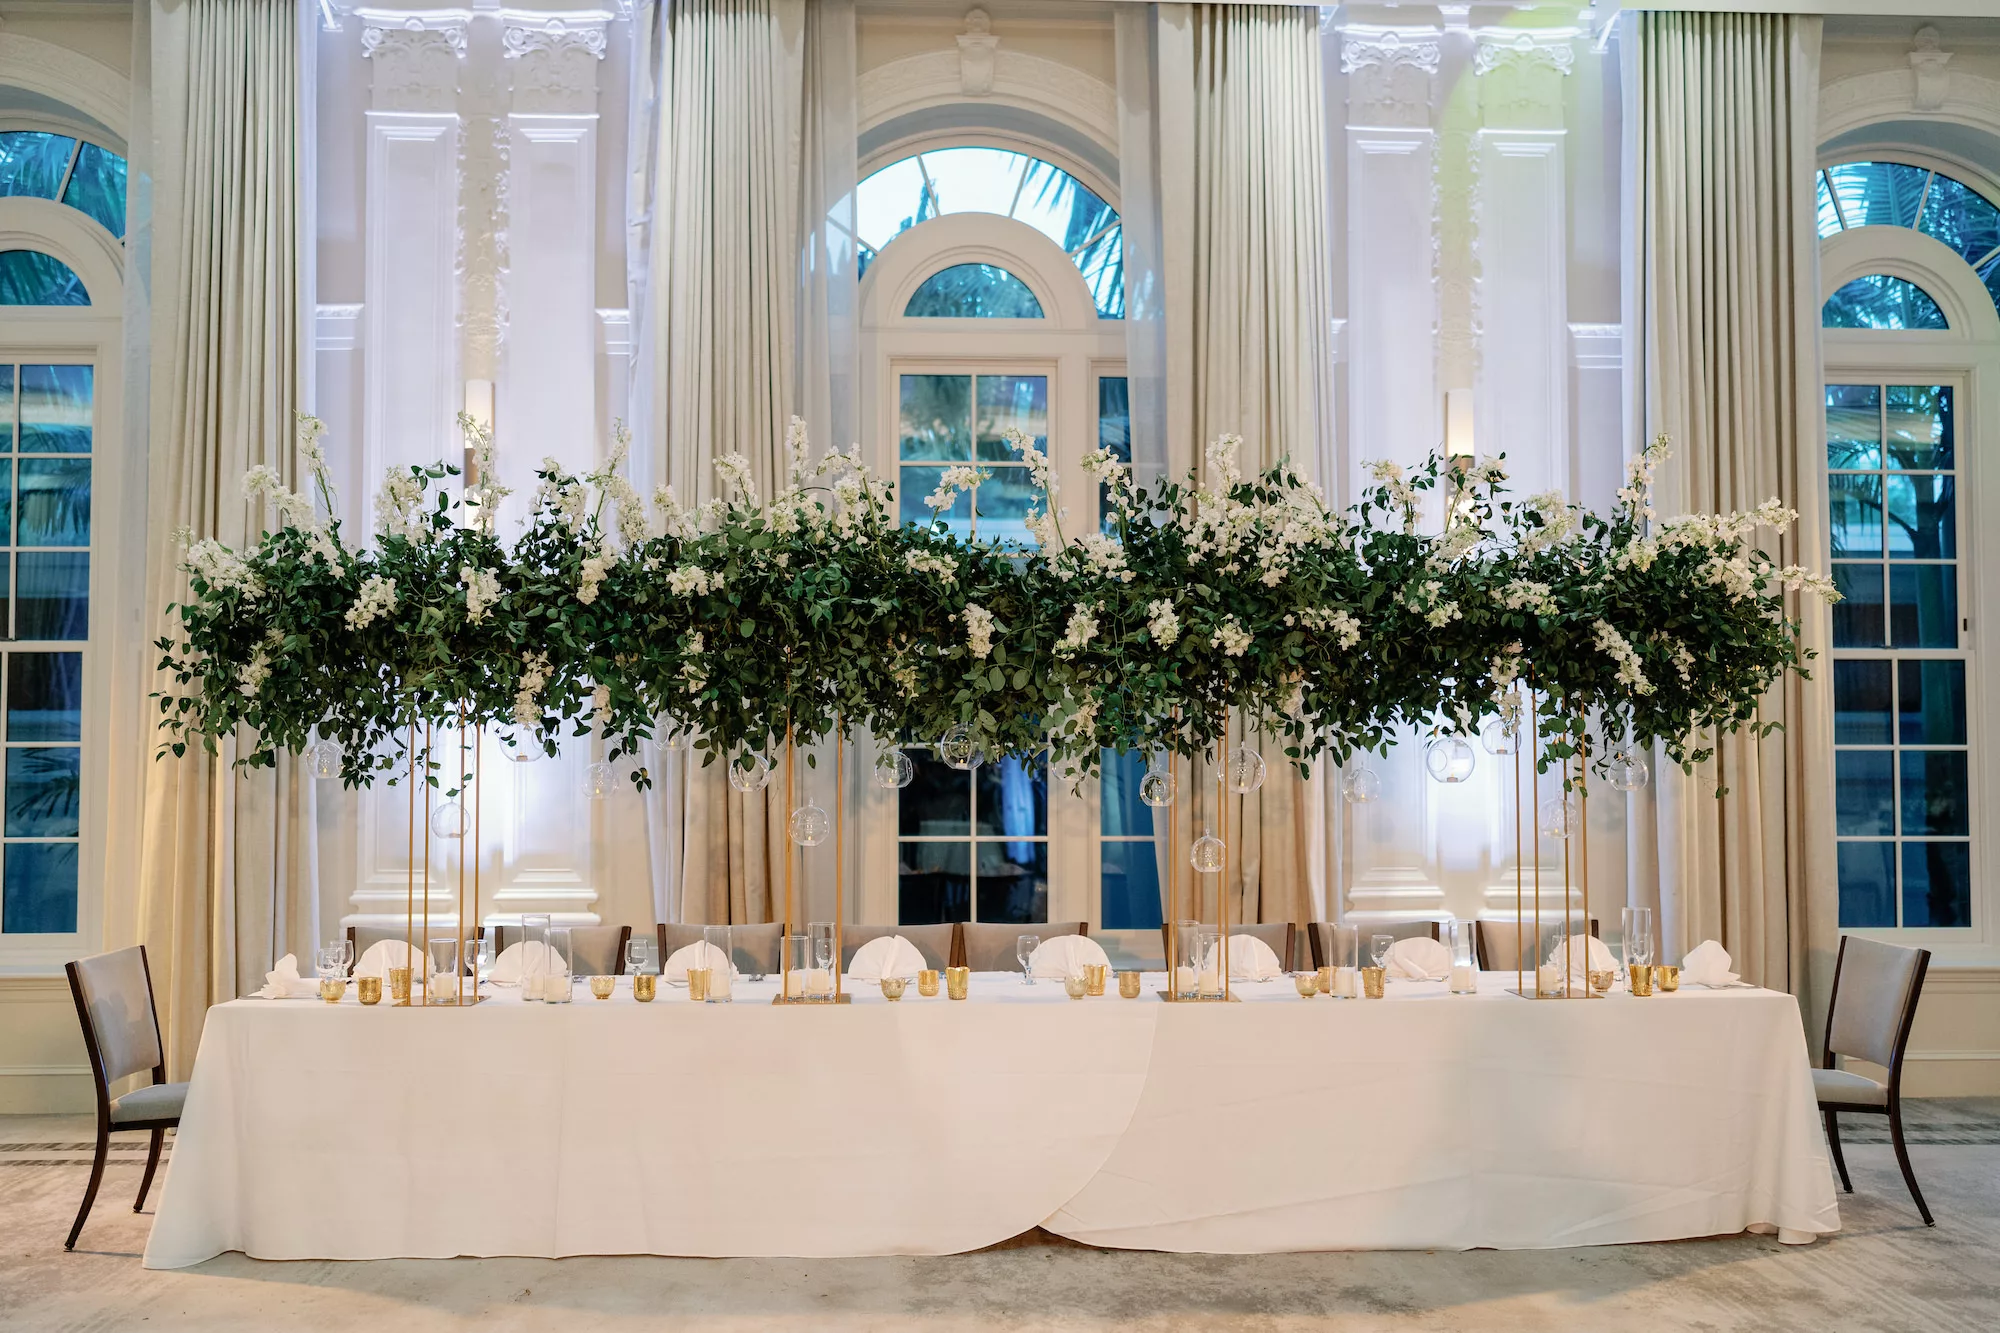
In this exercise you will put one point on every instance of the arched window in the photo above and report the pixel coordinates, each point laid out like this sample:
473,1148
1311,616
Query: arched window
1896,194
29,277
1879,301
87,177
973,291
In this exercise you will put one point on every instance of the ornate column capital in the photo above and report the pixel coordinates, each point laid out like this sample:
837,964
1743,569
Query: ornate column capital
555,69
1521,75
415,57
1389,74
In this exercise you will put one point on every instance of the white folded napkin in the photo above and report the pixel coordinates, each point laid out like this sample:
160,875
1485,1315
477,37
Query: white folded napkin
282,982
1599,954
699,954
1250,959
385,954
1707,964
1062,956
516,958
1419,958
887,956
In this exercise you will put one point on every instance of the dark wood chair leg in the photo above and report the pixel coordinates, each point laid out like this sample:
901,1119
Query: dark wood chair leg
1903,1160
1833,1142
152,1161
90,1190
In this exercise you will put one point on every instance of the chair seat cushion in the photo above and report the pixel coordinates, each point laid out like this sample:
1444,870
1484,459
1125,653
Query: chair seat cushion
1837,1087
161,1101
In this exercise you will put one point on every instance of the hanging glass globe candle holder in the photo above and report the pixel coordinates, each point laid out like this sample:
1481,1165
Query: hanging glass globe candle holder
958,749
1560,815
598,780
1499,735
1156,789
448,820
1246,770
749,771
672,739
326,757
1449,759
809,825
893,769
1361,785
1206,854
1626,770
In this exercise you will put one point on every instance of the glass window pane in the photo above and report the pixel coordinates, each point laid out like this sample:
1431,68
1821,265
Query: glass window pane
1129,886
1878,194
55,502
54,596
935,422
1121,814
1853,426
32,163
1020,401
1861,703
1014,800
1867,884
55,409
973,291
1923,517
40,893
938,801
97,187
6,408
1014,881
1937,884
1921,426
934,883
1878,301
916,487
1857,616
1825,215
1961,218
1934,793
1114,432
1855,511
1004,502
44,696
1864,792
42,791
1930,700
6,501
29,277
1923,606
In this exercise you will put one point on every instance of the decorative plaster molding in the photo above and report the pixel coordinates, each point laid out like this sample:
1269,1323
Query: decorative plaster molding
978,49
1389,73
69,77
1860,100
555,71
337,328
1032,83
1521,76
1597,346
415,56
1933,81
480,259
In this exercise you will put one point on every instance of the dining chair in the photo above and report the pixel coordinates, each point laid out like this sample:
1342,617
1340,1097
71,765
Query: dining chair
1868,1017
1319,934
935,943
990,946
1281,936
1498,944
597,951
121,1031
754,947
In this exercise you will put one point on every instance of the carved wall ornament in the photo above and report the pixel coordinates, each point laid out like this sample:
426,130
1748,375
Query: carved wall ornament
977,55
1521,76
1928,63
555,66
415,58
1389,74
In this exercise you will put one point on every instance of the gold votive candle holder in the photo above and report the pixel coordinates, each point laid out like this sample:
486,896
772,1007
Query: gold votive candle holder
601,987
1371,982
1323,980
1128,984
698,984
1601,979
893,988
1076,985
1094,975
369,989
399,984
644,987
1640,977
957,982
1667,977
927,983
331,989
1307,983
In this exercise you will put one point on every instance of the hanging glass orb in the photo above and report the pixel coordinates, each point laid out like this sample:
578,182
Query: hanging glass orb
958,749
598,780
521,749
810,825
325,758
1246,770
1498,736
1449,759
449,820
893,769
1157,788
1206,854
1361,785
1626,770
1560,815
671,738
749,771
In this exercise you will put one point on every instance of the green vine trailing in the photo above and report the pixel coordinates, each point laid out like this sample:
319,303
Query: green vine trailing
730,626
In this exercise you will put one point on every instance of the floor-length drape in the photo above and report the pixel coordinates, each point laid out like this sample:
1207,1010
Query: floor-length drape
227,875
1242,202
1723,316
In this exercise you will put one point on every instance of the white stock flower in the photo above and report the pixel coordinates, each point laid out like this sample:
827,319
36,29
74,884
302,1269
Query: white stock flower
1222,457
482,590
954,480
1082,628
255,672
595,567
979,628
1631,672
376,599
938,567
692,581
221,568
1162,623
1528,595
734,470
527,698
1230,637
1345,626
399,505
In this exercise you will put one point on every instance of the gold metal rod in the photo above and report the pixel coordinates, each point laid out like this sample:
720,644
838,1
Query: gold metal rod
1173,873
427,863
478,843
1568,957
1222,831
839,841
1583,835
785,990
410,869
1520,949
458,959
1535,798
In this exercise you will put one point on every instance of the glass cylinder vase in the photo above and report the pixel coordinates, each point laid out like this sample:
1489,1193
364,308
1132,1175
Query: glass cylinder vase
720,957
1464,965
560,955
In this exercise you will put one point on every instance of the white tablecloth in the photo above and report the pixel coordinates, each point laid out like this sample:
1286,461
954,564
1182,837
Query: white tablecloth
931,1127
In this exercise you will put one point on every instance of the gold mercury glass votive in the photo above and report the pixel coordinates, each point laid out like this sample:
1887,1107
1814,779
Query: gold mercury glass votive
698,984
1601,979
369,988
601,987
1641,976
893,987
331,989
399,984
957,982
927,983
644,987
1667,976
1323,979
1371,982
1307,983
1128,985
1076,986
1094,975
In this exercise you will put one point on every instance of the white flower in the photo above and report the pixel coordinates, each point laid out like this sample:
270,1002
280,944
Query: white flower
1221,456
1082,628
1631,672
1346,628
675,522
1528,595
734,469
693,674
218,566
527,698
1557,522
483,491
1038,462
482,590
1230,637
600,699
1797,578
937,566
954,480
376,599
1101,553
399,505
255,671
1425,600
1162,623
979,626
595,567
692,580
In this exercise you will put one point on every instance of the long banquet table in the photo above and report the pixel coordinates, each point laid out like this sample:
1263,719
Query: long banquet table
1422,1120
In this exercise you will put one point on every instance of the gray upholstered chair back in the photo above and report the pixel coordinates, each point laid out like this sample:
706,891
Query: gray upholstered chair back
116,998
990,946
1281,936
933,942
598,951
1873,991
1319,934
1498,941
754,948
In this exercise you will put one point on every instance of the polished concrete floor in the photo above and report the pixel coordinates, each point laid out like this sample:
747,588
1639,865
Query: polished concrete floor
1886,1271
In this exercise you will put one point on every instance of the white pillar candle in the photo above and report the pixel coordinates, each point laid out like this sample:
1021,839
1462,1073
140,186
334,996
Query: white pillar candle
1183,979
795,985
819,982
1462,979
718,983
1211,981
531,986
1549,978
1346,982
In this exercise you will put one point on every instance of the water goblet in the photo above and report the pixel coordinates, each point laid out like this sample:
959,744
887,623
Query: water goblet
1378,948
1024,949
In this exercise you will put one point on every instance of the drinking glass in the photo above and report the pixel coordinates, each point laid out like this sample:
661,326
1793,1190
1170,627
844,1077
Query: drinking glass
1378,948
556,986
721,958
339,953
534,954
1208,962
1024,949
1186,965
1638,924
479,959
326,962
638,955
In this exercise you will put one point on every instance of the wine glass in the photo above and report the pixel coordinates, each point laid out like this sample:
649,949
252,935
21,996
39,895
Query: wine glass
1024,949
1378,948
638,954
1638,929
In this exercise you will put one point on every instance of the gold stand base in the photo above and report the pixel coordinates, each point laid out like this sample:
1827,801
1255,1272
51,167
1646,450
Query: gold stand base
802,1002
1555,994
453,1002
1171,998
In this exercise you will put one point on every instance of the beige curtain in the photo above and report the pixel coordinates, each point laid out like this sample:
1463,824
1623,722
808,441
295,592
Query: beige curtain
1724,314
227,859
1242,199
